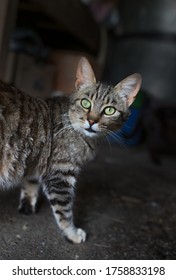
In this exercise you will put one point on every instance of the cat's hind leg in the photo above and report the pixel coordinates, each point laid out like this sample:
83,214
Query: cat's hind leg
28,197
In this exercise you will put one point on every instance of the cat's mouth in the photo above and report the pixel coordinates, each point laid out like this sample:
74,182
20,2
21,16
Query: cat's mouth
90,130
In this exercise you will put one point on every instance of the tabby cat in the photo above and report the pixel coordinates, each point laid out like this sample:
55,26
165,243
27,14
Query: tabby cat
46,142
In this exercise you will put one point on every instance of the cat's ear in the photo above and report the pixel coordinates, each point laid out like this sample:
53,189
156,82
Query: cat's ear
85,75
128,88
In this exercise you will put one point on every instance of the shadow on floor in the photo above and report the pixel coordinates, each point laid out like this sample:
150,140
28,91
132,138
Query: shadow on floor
126,204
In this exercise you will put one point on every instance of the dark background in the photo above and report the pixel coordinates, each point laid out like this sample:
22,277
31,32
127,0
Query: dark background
126,198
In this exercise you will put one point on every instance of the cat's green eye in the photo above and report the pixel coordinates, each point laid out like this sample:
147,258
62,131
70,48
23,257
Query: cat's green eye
109,111
85,103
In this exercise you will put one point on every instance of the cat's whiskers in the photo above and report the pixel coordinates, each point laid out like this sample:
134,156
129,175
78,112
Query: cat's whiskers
103,131
109,144
126,126
117,138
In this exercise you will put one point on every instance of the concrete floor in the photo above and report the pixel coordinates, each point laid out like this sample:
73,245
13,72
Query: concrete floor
126,204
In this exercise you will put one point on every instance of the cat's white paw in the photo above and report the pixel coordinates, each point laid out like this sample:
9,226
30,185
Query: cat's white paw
81,235
76,235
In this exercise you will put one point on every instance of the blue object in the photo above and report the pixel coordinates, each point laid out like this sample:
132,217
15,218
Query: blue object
130,132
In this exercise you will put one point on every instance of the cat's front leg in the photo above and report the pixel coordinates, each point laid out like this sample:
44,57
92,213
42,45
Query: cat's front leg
61,194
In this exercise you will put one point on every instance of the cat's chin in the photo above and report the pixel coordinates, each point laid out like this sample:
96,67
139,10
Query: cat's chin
89,132
85,130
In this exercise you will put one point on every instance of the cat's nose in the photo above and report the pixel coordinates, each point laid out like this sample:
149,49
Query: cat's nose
92,118
91,122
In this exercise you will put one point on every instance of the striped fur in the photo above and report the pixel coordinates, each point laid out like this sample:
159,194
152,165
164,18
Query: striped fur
45,143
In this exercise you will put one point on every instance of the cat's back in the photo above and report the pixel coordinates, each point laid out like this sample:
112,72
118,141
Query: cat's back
16,106
7,91
24,133
11,99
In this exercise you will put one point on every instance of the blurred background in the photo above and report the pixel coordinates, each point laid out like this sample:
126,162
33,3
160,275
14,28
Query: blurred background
41,42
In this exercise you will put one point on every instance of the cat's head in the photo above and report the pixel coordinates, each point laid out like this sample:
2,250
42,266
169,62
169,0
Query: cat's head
96,108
